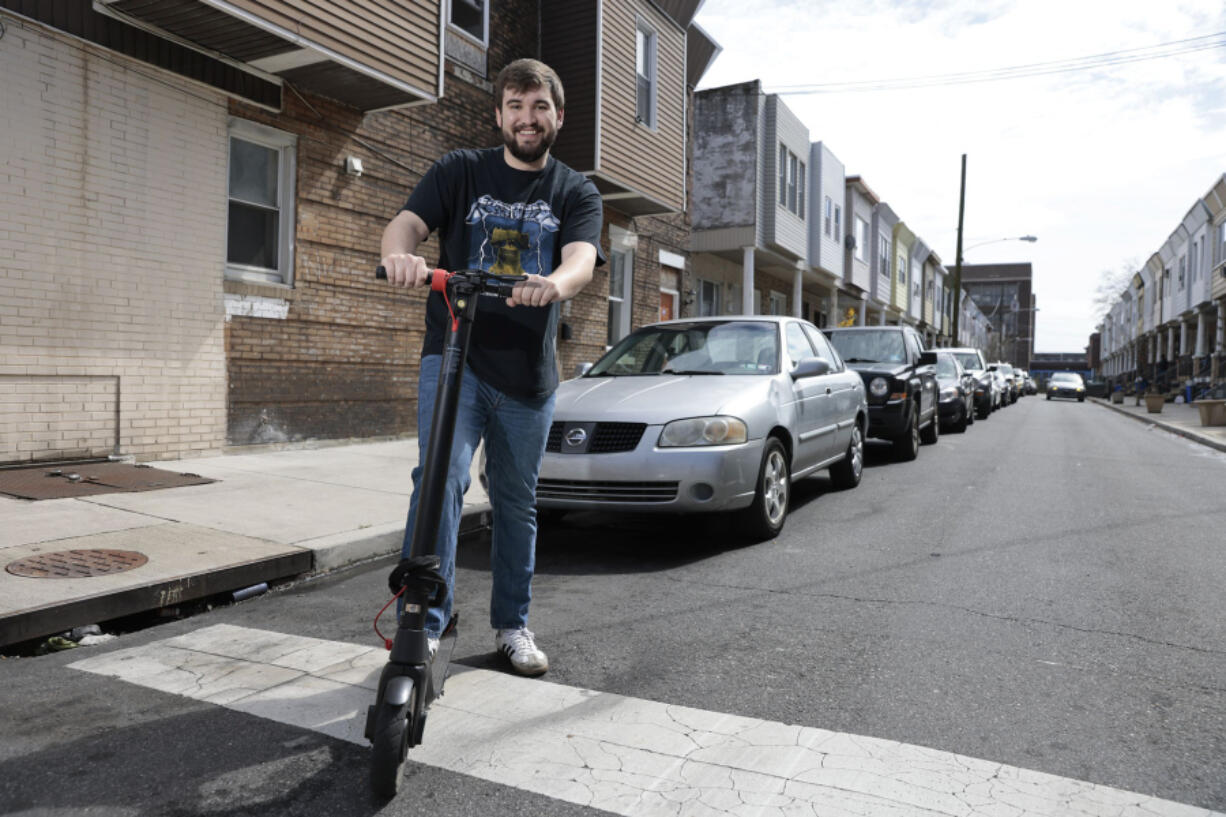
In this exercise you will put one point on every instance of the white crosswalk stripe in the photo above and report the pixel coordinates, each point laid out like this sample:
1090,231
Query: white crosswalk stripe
619,754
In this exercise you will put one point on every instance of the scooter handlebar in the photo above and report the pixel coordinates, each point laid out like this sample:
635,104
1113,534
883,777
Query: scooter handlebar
475,280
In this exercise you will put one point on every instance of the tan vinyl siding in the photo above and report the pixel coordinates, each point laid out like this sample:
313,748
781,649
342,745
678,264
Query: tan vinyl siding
398,38
651,161
568,45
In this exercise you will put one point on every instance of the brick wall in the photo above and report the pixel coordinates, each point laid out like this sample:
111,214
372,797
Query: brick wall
111,324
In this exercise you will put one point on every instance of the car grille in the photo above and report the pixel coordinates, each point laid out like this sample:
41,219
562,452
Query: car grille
606,491
607,438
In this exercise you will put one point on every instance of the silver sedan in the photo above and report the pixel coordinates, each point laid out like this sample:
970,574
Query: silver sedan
706,414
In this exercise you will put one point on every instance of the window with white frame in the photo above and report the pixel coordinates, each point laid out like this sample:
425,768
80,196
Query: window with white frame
621,280
838,223
645,74
883,256
779,303
791,182
472,17
828,216
260,223
1221,243
783,176
902,269
708,298
1183,270
861,251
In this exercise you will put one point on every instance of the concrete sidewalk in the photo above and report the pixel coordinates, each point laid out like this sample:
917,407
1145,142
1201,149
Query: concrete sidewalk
1178,418
269,515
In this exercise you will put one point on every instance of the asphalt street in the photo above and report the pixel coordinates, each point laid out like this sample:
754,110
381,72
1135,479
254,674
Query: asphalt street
1044,591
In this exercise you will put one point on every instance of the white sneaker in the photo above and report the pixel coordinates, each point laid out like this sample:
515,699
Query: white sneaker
519,646
433,644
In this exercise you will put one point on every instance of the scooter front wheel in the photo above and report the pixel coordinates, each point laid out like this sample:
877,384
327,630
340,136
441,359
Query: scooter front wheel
390,747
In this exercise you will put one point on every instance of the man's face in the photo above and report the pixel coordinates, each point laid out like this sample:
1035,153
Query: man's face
529,122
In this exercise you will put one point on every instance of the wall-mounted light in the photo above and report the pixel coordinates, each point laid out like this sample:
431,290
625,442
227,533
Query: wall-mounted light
353,166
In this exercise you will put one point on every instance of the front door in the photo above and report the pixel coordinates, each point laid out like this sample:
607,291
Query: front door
668,305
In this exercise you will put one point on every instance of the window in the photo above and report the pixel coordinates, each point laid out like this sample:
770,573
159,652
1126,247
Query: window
902,269
471,17
838,223
861,251
621,275
645,74
1183,270
800,196
799,346
791,182
828,216
779,303
824,350
260,228
1221,242
883,256
708,299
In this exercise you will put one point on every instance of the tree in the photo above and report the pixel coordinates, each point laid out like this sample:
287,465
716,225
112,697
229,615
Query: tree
1111,285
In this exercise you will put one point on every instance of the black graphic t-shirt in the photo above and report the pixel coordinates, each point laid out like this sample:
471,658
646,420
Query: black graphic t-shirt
491,216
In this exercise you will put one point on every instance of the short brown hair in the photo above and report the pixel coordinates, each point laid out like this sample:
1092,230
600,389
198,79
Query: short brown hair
527,75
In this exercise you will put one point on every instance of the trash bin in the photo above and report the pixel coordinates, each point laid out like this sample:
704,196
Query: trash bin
1187,394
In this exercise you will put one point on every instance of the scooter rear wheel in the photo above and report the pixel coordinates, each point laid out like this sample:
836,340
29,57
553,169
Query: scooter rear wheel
389,748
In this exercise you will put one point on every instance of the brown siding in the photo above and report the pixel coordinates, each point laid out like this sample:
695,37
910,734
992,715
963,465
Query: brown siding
400,39
568,45
648,161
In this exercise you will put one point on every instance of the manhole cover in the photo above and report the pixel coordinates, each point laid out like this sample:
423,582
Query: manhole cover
76,564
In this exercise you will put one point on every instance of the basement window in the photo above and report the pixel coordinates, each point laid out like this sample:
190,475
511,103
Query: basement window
260,223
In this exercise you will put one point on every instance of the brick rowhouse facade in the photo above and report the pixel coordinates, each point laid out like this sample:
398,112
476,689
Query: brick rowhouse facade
156,353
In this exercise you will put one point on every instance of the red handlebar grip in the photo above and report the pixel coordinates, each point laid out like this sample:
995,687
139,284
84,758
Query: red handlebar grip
438,280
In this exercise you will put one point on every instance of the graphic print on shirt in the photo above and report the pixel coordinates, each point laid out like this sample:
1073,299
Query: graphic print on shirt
511,239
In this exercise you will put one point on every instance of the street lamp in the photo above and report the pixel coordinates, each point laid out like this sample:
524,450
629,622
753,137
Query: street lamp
1028,238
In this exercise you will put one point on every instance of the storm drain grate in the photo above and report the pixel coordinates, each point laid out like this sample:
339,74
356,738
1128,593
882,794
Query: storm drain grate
76,564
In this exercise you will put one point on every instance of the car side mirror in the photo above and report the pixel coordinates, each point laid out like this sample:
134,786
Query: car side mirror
928,358
811,367
583,368
991,368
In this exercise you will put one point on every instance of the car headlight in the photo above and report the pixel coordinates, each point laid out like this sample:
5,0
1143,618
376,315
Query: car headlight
703,431
1081,388
879,387
949,392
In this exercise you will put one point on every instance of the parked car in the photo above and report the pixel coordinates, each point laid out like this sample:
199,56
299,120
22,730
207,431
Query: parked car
956,398
901,381
706,414
1066,384
1028,386
1010,383
987,388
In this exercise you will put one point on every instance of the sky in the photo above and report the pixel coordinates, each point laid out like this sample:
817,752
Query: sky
1101,164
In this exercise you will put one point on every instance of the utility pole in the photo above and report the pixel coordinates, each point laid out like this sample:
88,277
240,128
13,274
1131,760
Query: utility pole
958,257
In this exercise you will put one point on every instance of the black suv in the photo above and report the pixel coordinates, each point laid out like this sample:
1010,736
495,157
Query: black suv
900,379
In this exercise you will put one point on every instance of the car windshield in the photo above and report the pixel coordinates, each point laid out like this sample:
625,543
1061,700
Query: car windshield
869,346
1070,378
969,360
706,348
1005,369
946,366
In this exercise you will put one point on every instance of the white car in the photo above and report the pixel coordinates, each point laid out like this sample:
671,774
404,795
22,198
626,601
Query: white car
705,415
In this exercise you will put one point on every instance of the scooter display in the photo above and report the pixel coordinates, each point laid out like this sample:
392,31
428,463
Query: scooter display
414,676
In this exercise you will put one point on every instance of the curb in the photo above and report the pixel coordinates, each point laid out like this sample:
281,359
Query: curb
344,550
1179,431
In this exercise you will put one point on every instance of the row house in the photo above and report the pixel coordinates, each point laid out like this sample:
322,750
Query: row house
778,227
1169,324
194,192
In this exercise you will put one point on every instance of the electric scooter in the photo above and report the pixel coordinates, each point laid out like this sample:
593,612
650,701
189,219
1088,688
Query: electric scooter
413,678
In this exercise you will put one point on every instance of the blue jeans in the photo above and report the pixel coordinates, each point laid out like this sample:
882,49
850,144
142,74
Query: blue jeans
515,431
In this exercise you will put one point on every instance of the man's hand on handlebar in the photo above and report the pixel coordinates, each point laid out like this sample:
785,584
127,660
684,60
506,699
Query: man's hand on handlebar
535,290
406,270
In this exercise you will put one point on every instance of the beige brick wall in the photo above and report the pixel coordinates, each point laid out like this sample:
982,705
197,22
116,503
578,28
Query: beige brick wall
112,243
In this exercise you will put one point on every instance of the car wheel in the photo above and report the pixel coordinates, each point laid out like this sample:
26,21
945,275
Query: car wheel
1081,399
846,473
906,445
963,421
764,518
1049,397
933,432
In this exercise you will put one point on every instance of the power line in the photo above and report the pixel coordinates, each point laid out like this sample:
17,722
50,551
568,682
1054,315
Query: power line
1106,59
